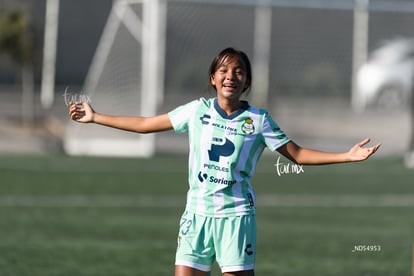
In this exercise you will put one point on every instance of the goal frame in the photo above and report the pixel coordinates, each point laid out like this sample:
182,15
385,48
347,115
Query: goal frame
149,32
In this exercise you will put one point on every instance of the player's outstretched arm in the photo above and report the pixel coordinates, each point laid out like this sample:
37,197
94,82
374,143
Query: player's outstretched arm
305,156
82,112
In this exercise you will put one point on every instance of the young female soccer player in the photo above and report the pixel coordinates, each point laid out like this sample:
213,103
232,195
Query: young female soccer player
226,138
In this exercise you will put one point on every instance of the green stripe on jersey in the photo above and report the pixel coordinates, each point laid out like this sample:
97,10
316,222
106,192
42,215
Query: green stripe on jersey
224,151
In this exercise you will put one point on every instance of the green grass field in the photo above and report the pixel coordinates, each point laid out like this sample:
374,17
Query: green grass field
61,215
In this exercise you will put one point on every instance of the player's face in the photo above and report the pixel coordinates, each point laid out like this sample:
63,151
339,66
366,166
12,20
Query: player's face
230,78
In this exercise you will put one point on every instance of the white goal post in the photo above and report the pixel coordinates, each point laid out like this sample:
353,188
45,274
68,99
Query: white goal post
126,76
143,23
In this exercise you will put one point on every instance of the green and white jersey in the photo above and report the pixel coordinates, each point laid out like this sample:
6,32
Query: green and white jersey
223,154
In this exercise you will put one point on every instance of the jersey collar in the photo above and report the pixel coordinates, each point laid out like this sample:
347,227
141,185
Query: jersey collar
243,107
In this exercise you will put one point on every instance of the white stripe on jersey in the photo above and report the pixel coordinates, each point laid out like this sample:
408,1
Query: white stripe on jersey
223,154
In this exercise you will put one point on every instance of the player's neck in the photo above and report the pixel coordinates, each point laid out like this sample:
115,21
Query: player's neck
229,106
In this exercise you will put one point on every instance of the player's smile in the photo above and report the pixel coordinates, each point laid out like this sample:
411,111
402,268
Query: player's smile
229,87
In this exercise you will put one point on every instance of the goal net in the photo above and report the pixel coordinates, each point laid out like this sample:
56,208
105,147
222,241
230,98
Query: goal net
124,79
301,51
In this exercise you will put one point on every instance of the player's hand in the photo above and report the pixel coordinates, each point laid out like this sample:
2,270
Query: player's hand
358,152
81,112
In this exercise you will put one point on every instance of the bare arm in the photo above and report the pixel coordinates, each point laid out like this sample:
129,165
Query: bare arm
83,113
307,156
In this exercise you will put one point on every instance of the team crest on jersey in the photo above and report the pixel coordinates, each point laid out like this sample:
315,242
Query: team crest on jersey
248,127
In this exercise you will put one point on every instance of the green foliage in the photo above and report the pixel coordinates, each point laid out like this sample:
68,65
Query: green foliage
17,36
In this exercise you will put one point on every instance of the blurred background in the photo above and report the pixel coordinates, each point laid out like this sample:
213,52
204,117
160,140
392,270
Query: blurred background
331,72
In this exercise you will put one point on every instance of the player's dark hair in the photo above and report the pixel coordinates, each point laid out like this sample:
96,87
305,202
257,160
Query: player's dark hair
231,53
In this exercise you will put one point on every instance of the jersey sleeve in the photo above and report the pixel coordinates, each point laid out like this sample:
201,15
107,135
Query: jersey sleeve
181,116
273,135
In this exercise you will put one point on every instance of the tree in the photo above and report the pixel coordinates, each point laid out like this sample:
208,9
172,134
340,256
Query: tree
17,41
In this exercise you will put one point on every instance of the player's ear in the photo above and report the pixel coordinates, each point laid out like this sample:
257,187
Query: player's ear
212,80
